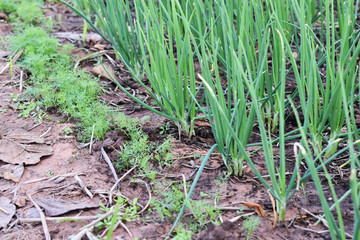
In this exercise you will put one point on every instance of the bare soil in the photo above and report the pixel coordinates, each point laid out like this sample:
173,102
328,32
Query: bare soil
70,158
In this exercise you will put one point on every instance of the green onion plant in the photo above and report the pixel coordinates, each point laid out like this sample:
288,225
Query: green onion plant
169,66
230,96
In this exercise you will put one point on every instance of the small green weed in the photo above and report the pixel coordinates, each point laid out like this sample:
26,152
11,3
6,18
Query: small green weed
128,213
134,153
163,153
170,200
23,13
182,234
204,213
138,151
28,108
66,131
56,84
250,225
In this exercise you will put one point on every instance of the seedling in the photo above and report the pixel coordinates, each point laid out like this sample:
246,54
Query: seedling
250,225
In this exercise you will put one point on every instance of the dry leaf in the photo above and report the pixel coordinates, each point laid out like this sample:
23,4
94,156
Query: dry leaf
25,137
258,209
56,207
7,211
99,46
25,147
5,185
100,70
11,172
202,123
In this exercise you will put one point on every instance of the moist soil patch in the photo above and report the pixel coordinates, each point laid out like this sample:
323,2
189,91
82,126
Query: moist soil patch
54,176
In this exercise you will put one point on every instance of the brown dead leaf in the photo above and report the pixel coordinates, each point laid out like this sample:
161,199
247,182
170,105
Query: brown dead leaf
56,207
258,209
6,185
274,208
25,137
99,46
202,123
100,70
11,172
7,211
25,147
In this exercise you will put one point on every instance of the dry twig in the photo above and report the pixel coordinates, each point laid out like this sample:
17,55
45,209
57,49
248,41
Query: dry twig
149,192
14,59
91,140
108,161
82,185
43,220
117,182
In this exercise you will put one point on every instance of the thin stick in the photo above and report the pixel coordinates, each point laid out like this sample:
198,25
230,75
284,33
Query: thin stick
14,59
310,230
34,126
313,215
21,80
185,157
82,185
117,182
91,140
107,159
92,56
234,219
58,219
107,229
3,210
127,230
81,234
92,224
184,180
90,236
43,220
53,177
149,192
45,132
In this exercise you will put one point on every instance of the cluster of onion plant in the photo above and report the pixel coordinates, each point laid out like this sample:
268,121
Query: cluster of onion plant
241,89
319,93
231,96
169,65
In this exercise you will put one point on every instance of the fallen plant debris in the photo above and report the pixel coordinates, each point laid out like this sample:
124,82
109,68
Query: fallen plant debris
7,211
23,148
57,207
12,172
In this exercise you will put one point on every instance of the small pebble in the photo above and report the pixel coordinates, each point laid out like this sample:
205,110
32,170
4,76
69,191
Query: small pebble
59,180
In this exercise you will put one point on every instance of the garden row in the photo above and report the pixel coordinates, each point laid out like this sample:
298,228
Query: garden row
234,62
